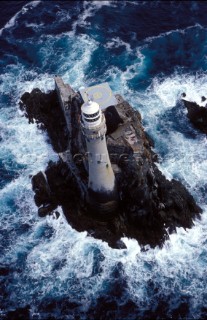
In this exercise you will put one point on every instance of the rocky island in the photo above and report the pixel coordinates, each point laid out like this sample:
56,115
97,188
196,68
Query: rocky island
150,207
197,114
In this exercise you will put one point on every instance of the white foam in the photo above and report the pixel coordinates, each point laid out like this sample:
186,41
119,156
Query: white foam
14,81
178,267
13,21
63,15
72,251
71,66
23,147
170,90
137,3
27,146
33,3
164,34
90,8
61,262
10,23
118,78
185,158
34,26
116,43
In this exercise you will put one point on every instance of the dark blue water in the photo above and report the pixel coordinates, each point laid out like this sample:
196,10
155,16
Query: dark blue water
150,52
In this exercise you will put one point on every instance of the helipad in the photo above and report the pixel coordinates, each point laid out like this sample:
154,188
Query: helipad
101,93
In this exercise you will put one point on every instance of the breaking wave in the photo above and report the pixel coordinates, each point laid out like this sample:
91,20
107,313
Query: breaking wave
48,265
19,15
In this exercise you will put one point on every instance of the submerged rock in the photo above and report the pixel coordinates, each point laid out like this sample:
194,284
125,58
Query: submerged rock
150,206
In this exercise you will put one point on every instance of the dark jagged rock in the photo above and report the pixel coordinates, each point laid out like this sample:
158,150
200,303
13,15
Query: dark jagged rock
41,189
112,119
44,108
19,314
197,114
4,271
46,209
150,205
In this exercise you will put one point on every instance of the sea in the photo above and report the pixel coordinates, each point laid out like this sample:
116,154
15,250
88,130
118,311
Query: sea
150,52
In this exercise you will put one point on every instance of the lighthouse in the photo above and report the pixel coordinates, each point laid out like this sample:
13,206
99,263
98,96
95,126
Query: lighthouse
102,192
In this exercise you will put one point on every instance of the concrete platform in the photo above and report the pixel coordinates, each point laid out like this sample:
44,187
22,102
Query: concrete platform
101,93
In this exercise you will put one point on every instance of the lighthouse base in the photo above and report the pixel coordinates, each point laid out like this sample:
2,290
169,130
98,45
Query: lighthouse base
102,205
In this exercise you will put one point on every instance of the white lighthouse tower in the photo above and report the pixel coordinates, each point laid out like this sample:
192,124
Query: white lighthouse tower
102,193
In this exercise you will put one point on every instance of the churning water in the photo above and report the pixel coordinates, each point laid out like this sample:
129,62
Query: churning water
150,52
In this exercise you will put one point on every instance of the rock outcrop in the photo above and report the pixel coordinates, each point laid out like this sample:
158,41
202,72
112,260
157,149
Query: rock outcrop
44,109
197,114
150,205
